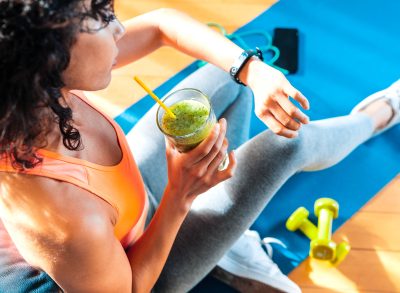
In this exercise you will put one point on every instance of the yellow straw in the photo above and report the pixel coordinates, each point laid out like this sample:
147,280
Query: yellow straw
149,91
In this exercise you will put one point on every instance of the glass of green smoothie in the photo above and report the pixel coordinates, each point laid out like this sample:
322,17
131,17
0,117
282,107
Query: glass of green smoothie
194,119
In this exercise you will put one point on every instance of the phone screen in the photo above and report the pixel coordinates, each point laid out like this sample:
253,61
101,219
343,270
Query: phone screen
287,41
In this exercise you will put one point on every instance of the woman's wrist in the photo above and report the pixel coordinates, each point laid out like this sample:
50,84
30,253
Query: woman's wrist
250,71
177,200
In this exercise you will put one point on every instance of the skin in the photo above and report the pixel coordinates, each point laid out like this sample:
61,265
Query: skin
380,112
75,243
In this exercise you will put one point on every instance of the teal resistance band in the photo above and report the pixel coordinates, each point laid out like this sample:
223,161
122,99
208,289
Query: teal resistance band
238,39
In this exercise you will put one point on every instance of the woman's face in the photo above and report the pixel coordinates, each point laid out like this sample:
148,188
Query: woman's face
93,56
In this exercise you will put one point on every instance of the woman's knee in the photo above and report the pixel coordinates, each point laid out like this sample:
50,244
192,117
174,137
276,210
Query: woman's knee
268,152
295,151
287,148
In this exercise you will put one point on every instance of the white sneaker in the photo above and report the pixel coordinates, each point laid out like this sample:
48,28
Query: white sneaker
247,267
392,96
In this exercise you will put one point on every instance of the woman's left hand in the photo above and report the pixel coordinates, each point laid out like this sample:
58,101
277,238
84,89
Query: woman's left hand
272,104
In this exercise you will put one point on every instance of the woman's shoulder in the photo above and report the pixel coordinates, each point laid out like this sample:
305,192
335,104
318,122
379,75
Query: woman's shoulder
67,242
26,191
48,210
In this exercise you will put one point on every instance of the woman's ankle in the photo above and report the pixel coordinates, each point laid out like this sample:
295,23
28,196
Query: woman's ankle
380,112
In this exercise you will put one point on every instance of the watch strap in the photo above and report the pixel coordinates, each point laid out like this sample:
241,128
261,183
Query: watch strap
241,61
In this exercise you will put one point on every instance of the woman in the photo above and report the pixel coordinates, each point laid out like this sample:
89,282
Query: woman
76,212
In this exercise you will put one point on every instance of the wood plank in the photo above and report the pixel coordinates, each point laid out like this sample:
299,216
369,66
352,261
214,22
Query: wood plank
388,201
235,14
372,231
368,270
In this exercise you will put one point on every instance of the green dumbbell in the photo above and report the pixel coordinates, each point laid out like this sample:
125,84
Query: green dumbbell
342,250
299,221
322,247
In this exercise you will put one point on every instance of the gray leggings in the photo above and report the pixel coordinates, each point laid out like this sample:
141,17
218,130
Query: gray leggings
219,216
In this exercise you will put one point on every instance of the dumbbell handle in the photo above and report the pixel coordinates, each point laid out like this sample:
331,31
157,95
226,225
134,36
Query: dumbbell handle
309,229
325,218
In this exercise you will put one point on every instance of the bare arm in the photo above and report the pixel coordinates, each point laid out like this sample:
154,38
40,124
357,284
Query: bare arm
74,242
169,27
189,174
69,234
152,30
149,254
142,37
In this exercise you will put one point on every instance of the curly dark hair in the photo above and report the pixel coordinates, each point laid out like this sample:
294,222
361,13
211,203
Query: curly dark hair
36,37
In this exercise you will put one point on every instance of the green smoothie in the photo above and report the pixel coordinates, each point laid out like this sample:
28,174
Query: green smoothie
191,125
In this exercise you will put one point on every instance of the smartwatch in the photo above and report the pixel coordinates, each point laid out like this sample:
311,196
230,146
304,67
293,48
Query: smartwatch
241,61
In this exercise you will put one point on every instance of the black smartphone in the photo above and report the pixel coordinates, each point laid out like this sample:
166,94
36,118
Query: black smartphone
287,41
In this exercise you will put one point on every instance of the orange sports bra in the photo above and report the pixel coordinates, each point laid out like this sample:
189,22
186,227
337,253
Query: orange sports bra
120,185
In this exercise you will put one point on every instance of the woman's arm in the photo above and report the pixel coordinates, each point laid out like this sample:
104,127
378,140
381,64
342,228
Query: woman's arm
170,27
69,233
65,231
189,174
149,254
142,36
148,32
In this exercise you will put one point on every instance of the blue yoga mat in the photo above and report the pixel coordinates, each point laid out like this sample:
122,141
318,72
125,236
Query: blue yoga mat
348,50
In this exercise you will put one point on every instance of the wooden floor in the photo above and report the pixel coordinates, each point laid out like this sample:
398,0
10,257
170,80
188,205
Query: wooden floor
374,262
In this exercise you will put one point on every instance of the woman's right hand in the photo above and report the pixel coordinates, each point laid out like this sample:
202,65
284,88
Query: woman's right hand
196,171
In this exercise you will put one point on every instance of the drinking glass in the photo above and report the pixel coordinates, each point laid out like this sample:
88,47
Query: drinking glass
194,120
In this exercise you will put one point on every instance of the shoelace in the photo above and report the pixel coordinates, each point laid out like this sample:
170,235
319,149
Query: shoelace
267,241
